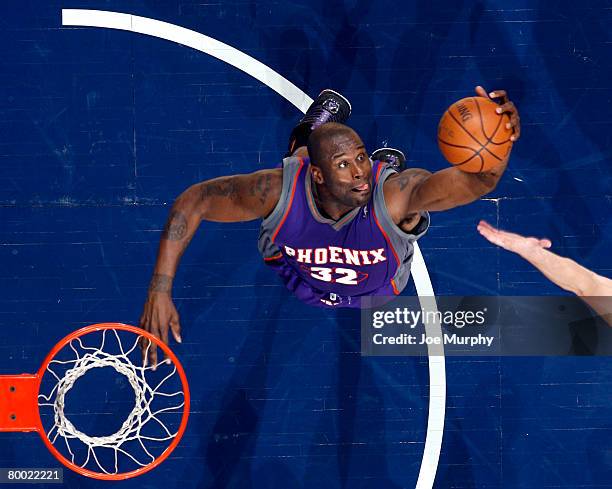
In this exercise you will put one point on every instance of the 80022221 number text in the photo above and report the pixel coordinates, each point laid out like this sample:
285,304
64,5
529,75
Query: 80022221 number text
27,475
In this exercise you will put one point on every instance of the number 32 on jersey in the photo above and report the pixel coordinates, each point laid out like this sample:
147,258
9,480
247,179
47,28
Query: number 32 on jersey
338,275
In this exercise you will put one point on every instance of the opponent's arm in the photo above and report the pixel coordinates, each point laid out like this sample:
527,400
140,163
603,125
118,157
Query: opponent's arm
594,289
225,199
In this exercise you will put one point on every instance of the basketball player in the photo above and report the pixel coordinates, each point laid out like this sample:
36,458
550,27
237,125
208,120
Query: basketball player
336,225
594,289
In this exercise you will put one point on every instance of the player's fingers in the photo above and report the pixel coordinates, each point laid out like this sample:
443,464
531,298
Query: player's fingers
481,92
486,226
545,243
517,131
175,326
144,317
163,333
488,234
501,94
484,232
515,121
507,107
164,337
145,322
145,325
140,343
495,236
142,347
153,355
145,346
153,347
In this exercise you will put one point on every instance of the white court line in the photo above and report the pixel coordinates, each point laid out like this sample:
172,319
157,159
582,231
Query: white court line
192,39
240,60
437,376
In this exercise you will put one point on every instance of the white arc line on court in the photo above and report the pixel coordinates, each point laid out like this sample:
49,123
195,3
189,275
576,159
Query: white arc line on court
261,72
192,39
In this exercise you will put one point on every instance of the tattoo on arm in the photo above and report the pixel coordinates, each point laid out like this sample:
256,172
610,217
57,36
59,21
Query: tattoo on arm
261,187
225,187
407,177
403,180
176,227
160,283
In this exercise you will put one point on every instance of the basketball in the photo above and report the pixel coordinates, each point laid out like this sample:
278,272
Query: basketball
472,136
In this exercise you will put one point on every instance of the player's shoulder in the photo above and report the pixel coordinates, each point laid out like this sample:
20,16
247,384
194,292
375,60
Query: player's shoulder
398,191
272,172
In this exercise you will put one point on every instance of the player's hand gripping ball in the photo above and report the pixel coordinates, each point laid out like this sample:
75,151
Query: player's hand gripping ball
475,134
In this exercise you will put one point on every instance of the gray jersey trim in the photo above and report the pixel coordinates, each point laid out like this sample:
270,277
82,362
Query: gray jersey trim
402,242
267,248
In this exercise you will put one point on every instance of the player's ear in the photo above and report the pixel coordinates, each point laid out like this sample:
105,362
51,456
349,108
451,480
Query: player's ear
317,174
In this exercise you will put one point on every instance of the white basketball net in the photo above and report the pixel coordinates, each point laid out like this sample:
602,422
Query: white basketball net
142,417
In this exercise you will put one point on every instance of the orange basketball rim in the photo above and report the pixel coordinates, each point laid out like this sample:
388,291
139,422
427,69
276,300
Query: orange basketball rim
20,409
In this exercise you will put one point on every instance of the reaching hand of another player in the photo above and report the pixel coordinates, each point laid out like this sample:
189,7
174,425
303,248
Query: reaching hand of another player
158,316
506,107
512,242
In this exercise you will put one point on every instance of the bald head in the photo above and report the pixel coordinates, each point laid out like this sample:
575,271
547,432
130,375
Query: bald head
340,168
322,142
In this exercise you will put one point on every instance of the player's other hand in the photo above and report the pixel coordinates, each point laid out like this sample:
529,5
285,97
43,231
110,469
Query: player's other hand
159,315
511,241
506,107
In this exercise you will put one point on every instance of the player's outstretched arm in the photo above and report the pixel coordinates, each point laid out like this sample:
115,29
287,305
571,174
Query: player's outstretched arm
567,274
416,190
226,199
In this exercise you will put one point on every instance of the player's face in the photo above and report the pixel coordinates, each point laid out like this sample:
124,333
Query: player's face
347,171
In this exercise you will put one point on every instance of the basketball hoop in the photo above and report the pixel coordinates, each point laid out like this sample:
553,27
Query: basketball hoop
151,431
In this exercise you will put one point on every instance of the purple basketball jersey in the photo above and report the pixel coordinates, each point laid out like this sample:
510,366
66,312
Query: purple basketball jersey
334,263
